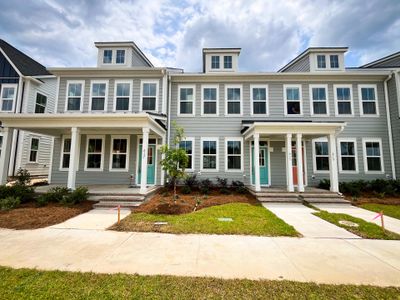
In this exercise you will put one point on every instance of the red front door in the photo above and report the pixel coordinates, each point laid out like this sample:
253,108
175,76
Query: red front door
294,163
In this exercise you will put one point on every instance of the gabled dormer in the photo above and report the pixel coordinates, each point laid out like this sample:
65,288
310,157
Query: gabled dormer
318,59
120,54
220,59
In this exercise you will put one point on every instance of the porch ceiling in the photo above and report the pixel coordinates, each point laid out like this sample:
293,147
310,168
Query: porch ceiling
56,124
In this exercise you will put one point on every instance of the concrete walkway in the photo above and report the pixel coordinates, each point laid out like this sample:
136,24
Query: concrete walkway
95,219
352,261
302,219
391,224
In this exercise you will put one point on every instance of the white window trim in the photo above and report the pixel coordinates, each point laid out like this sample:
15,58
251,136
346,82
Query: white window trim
233,86
219,62
329,65
339,151
30,150
127,138
223,61
82,82
374,140
335,87
105,96
210,86
47,98
213,139
187,86
360,86
263,86
112,57
8,85
315,171
327,62
142,82
316,61
299,86
64,137
325,86
191,139
88,137
238,139
125,52
115,95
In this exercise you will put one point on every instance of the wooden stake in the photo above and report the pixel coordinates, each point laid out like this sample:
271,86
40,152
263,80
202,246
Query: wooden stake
383,224
119,214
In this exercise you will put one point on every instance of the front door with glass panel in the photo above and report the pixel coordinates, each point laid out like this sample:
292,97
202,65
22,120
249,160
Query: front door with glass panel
151,163
263,161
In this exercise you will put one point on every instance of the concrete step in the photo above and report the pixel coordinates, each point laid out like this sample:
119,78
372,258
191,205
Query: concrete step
332,195
277,195
326,200
117,198
279,199
113,204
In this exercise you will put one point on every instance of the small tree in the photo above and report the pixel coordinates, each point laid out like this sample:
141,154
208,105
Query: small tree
176,159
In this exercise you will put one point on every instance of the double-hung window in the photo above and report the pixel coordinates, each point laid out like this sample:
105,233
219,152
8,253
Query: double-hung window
319,99
34,149
8,96
233,96
41,102
186,100
259,96
233,154
107,56
343,100
119,153
74,95
98,95
321,61
120,57
347,156
209,154
373,160
227,62
209,95
188,146
334,61
321,155
368,100
292,94
215,62
149,96
94,153
65,153
122,100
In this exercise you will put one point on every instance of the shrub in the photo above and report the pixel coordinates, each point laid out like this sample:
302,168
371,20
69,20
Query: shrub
76,196
23,177
222,182
57,193
377,187
9,203
24,193
43,200
205,186
186,190
225,191
191,181
239,187
324,184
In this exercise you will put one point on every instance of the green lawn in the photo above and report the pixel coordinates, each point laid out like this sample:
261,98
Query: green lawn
388,210
247,219
33,284
366,230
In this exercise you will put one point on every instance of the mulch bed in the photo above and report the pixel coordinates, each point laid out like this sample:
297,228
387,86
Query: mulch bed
29,216
163,203
371,199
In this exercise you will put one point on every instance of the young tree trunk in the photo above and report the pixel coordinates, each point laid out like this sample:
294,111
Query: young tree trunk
174,191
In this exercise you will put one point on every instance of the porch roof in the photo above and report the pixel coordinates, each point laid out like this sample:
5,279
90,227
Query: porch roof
56,124
276,127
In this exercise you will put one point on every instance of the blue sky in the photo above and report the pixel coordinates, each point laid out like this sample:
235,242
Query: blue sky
172,33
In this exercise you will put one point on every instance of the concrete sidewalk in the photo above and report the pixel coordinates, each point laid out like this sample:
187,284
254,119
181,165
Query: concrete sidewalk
391,224
302,219
353,261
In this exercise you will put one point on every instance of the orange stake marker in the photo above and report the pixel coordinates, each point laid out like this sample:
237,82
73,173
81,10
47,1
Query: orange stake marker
383,224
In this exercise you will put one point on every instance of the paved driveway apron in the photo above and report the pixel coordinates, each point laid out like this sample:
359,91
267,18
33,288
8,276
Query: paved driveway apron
302,219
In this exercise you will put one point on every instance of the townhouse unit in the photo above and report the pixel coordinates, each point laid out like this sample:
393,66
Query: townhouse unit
314,119
25,87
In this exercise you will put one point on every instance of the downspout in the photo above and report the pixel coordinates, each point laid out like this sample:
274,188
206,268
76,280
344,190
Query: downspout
389,124
169,110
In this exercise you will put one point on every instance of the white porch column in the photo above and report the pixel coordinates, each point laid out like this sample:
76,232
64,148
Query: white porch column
333,168
162,157
145,146
256,160
5,154
289,167
299,156
74,157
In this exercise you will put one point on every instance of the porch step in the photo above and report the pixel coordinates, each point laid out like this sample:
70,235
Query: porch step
324,195
327,200
275,194
279,199
113,204
122,198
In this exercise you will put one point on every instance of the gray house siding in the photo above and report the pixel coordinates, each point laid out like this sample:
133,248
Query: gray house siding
225,126
393,89
303,65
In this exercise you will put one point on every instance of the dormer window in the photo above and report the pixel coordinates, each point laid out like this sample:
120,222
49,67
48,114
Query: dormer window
120,58
227,62
107,57
334,60
214,62
321,62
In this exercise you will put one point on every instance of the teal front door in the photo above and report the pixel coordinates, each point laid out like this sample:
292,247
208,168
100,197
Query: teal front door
151,164
263,160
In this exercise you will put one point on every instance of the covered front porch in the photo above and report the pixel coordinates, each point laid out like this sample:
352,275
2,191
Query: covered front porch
294,134
102,149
